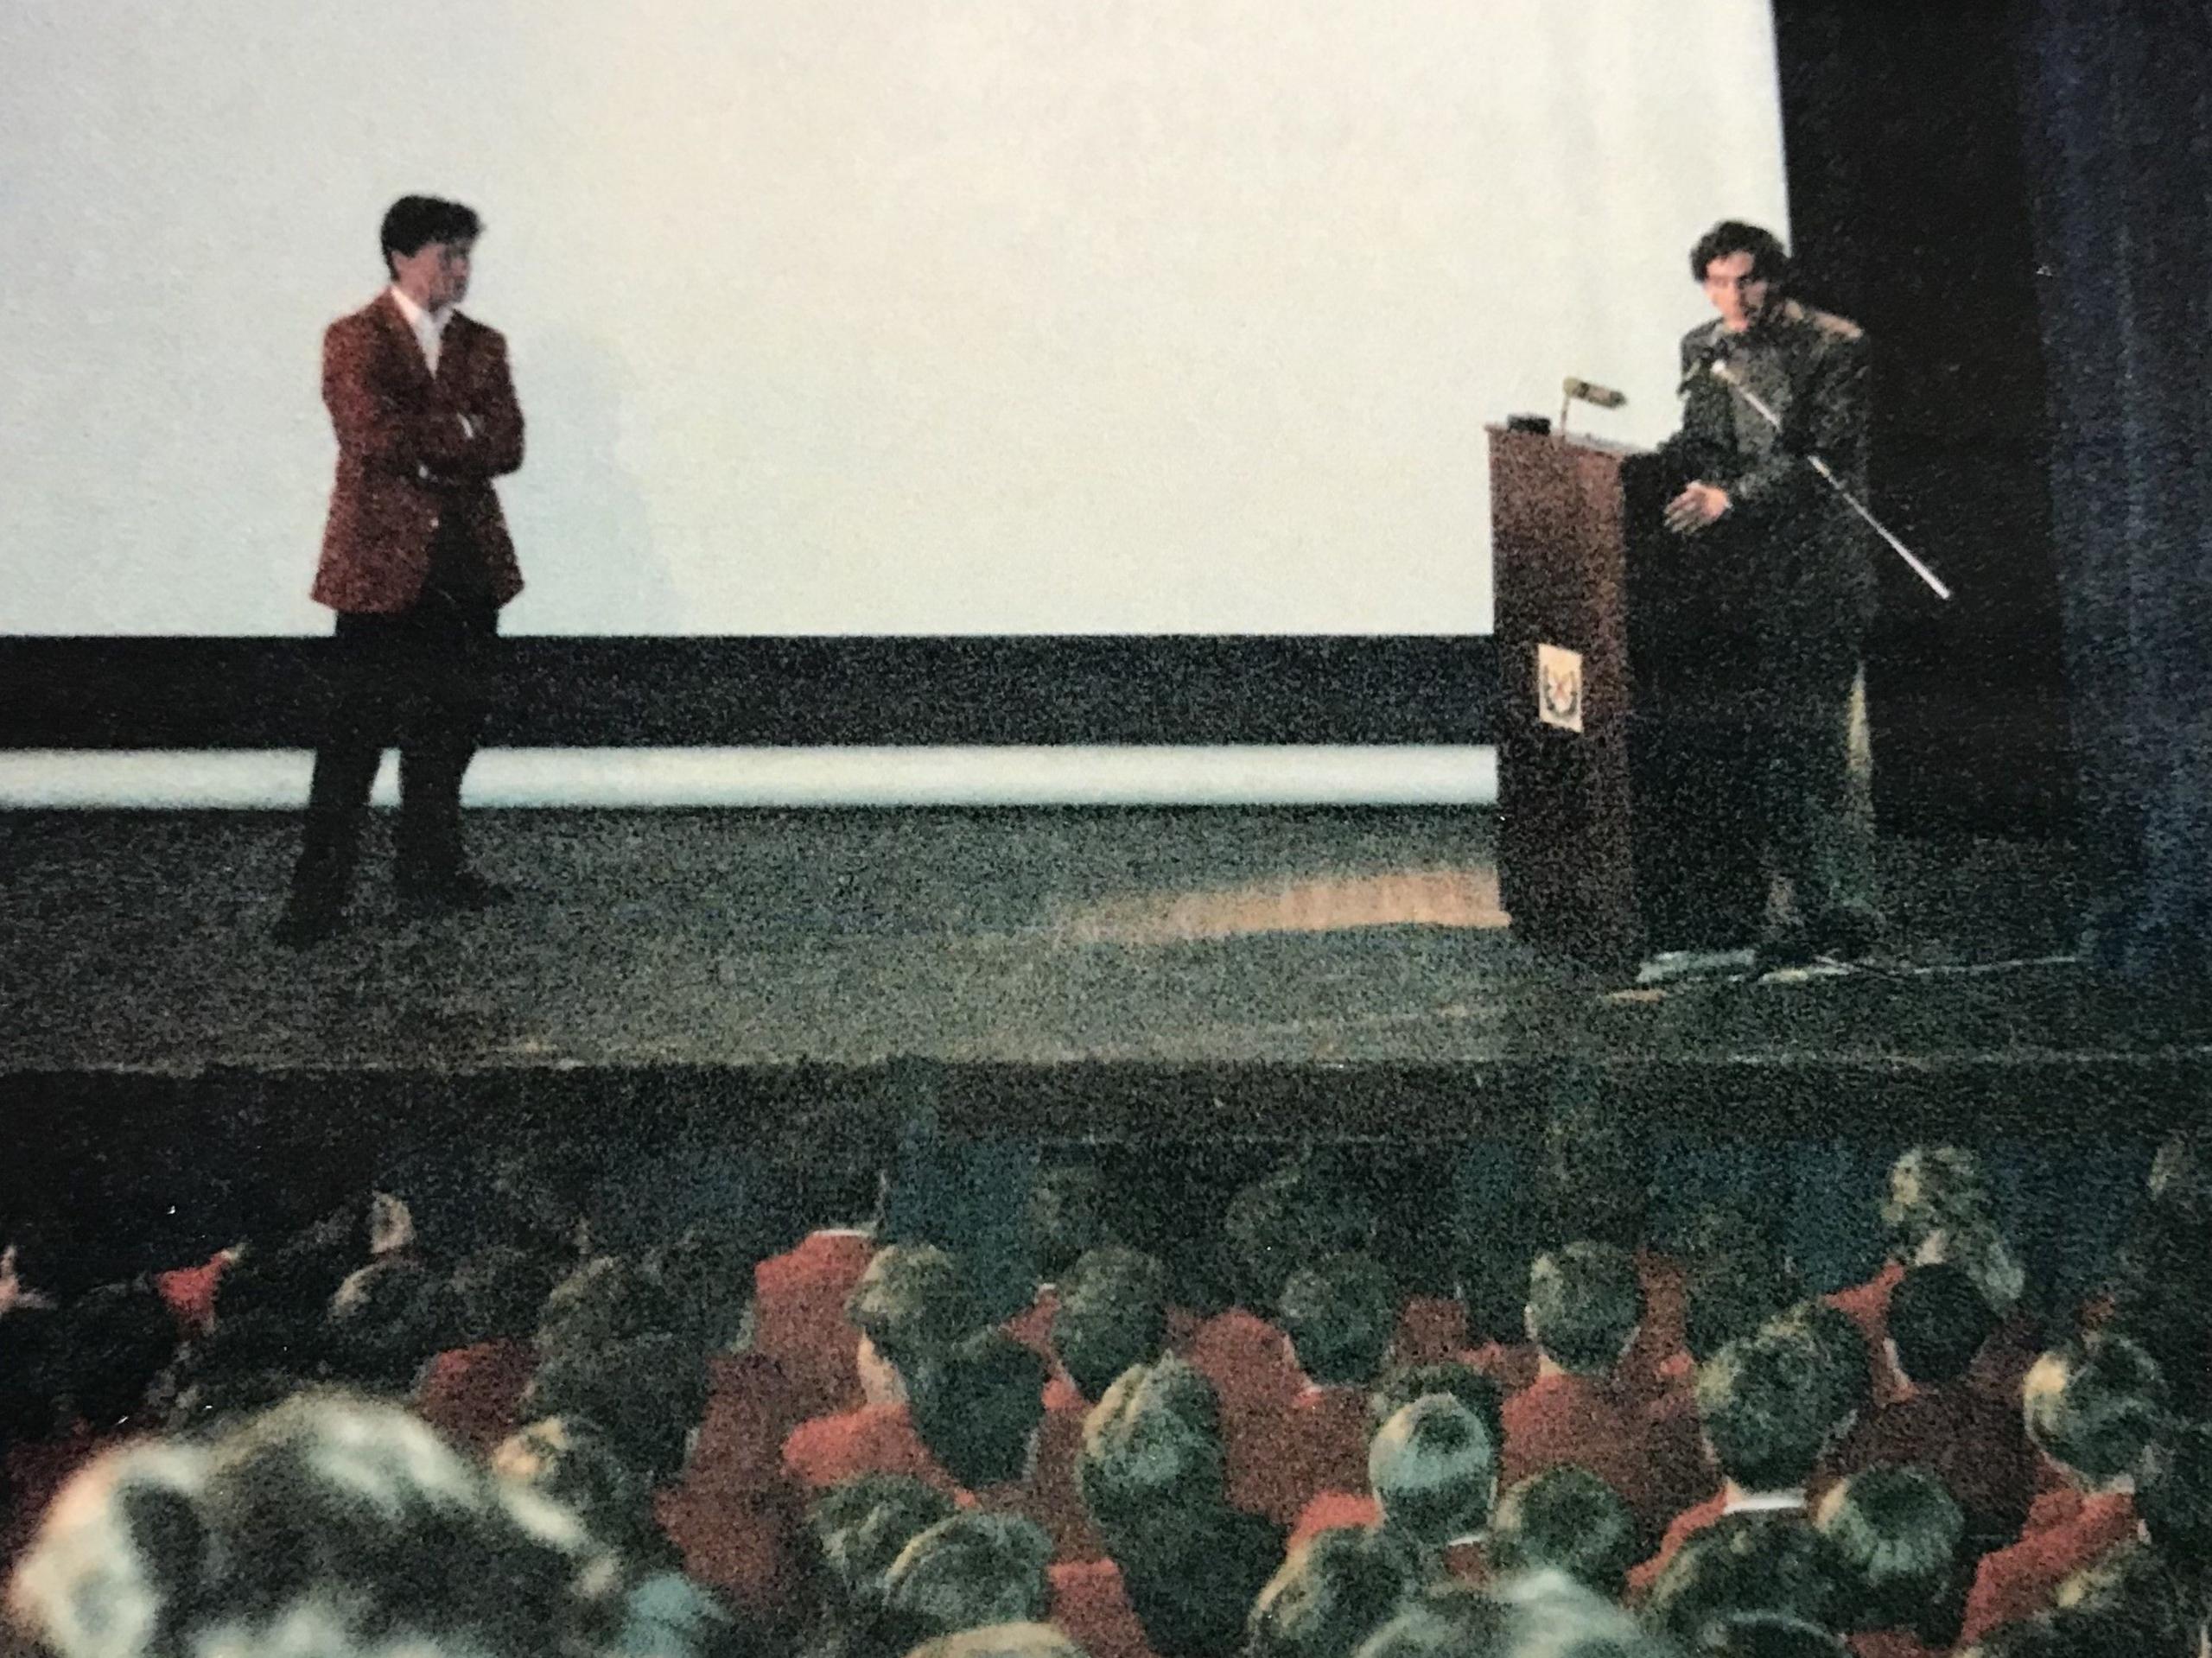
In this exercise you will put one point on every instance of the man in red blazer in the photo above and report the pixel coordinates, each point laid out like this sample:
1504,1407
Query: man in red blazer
417,562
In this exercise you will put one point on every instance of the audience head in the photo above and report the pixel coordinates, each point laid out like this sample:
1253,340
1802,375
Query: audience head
1744,1563
1939,1209
2094,1406
1336,1589
1002,1641
1540,1614
1401,1387
1340,1316
1064,1219
1768,1634
2126,1603
330,1525
386,1321
1841,1363
860,1527
607,1298
104,1352
1433,1470
970,1570
978,1407
645,1394
1151,1454
1585,1302
1112,1314
1592,1182
911,1305
705,1279
1896,1534
1569,1520
570,1461
1764,1409
1302,1210
2174,1499
1728,1296
1938,1323
501,1290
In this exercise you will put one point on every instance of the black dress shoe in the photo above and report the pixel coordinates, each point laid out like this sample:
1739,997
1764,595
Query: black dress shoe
455,893
1790,945
302,926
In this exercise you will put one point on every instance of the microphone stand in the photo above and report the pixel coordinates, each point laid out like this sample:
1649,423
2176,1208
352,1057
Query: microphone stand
1720,370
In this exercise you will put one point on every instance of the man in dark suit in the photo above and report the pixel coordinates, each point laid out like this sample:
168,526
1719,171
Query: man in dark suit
1787,576
417,562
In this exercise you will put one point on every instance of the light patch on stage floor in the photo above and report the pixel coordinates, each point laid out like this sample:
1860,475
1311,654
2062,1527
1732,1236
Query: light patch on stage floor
1420,897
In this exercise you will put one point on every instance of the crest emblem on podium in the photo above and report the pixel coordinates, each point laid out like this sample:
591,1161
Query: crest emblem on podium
1558,687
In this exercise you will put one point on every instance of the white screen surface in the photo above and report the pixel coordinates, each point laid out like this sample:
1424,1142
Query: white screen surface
938,317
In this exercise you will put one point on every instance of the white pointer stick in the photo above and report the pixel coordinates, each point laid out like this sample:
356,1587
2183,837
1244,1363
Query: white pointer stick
1727,375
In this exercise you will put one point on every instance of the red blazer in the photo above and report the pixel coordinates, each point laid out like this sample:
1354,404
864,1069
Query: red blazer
406,462
1600,1425
1053,1500
2062,1536
1256,1379
873,1440
1684,1526
1091,1609
472,1394
799,1319
1974,1446
1319,1444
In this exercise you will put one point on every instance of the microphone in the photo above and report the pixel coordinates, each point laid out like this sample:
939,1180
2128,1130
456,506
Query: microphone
1583,391
1712,359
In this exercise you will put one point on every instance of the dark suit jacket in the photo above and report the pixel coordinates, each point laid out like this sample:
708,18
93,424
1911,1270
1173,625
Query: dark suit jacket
1792,558
406,463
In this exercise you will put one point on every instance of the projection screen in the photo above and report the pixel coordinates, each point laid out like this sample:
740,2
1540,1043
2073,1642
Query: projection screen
861,316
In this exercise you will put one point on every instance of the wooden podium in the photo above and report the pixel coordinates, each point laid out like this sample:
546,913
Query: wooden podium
1619,768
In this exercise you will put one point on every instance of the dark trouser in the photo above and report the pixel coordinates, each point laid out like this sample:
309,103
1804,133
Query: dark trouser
1799,727
419,679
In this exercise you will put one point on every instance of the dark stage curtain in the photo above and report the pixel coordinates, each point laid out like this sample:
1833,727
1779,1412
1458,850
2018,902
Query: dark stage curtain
2119,148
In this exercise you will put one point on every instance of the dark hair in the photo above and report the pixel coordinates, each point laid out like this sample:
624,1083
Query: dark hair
706,1279
1302,1210
1340,1316
386,1322
607,1298
412,223
1337,1588
1768,1634
1939,1321
1763,1409
2174,1497
352,1513
912,1303
860,1527
645,1394
108,1346
1745,1563
2095,1405
1728,1296
1770,259
1063,1218
970,1570
1567,1518
1584,1303
573,1462
976,1408
1401,1387
1151,1456
1896,1534
1112,1313
501,1290
1842,1367
1433,1469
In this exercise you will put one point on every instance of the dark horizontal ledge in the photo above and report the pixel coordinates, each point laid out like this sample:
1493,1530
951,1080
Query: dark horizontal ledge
185,693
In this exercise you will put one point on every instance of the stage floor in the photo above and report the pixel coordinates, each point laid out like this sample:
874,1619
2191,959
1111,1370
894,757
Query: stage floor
138,942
